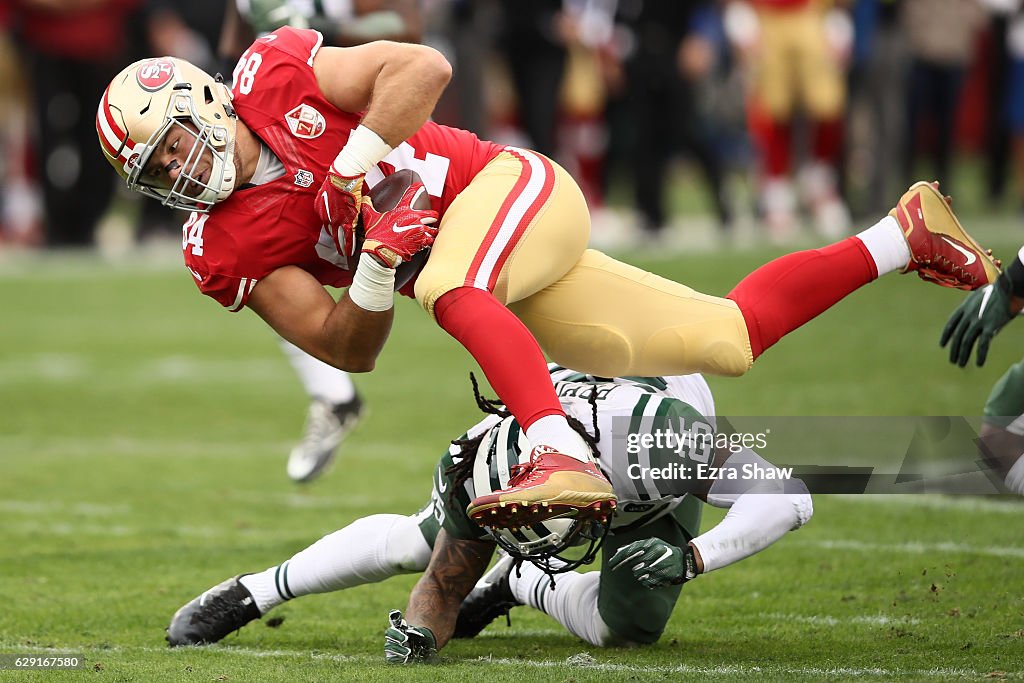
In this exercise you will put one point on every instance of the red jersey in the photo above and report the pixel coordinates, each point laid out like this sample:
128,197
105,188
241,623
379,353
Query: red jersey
93,35
261,228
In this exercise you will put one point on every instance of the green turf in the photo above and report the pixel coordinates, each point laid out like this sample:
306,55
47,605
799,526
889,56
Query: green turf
143,433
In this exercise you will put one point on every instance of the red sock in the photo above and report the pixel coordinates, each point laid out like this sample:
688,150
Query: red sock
827,143
505,350
778,149
783,294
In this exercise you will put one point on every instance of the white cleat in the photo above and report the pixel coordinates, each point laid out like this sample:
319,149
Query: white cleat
326,427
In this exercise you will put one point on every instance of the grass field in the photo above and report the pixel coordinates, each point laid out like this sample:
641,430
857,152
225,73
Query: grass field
143,434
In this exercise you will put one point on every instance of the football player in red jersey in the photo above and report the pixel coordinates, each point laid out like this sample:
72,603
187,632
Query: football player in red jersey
276,171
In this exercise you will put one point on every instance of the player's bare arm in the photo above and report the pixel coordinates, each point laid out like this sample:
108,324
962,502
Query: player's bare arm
397,84
299,309
455,566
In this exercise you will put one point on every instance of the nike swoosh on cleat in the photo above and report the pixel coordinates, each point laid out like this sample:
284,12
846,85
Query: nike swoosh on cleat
971,258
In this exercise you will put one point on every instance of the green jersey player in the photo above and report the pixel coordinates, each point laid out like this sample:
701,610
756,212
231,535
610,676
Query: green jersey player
342,22
651,547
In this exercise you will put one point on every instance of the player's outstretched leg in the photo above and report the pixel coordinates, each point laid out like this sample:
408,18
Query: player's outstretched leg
920,235
561,477
370,549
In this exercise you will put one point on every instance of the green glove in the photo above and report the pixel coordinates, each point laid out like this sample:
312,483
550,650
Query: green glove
404,644
655,563
979,318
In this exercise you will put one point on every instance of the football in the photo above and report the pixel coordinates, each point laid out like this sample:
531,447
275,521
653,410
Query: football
385,196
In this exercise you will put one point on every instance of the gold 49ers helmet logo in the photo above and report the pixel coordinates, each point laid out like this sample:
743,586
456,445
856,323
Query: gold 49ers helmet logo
155,74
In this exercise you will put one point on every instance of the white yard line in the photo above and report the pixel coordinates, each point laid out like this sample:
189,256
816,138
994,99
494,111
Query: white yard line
67,368
915,548
932,501
827,620
35,447
38,507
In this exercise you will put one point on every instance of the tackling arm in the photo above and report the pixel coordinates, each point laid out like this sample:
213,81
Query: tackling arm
340,333
761,511
455,566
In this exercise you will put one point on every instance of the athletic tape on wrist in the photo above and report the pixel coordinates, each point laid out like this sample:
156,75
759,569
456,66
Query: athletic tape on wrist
362,151
373,286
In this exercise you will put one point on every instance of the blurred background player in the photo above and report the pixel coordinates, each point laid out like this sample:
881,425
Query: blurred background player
20,203
622,603
665,60
71,49
794,51
941,38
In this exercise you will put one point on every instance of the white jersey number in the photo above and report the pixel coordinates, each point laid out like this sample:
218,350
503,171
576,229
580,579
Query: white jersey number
244,74
432,168
192,233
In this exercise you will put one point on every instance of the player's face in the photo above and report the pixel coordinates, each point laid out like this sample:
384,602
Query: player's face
175,154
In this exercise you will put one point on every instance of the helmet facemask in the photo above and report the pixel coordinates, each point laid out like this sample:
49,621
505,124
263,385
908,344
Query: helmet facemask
187,191
555,546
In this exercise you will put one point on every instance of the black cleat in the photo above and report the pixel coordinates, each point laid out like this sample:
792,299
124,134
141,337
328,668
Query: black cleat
226,607
490,598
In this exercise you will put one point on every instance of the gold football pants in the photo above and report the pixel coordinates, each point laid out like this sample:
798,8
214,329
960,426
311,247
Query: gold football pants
520,230
795,68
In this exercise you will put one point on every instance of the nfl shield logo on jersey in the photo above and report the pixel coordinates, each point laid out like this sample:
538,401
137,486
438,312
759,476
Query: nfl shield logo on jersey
305,122
303,178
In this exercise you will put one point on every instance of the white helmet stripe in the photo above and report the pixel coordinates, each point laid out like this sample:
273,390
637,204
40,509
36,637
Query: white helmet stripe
500,457
112,136
481,475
